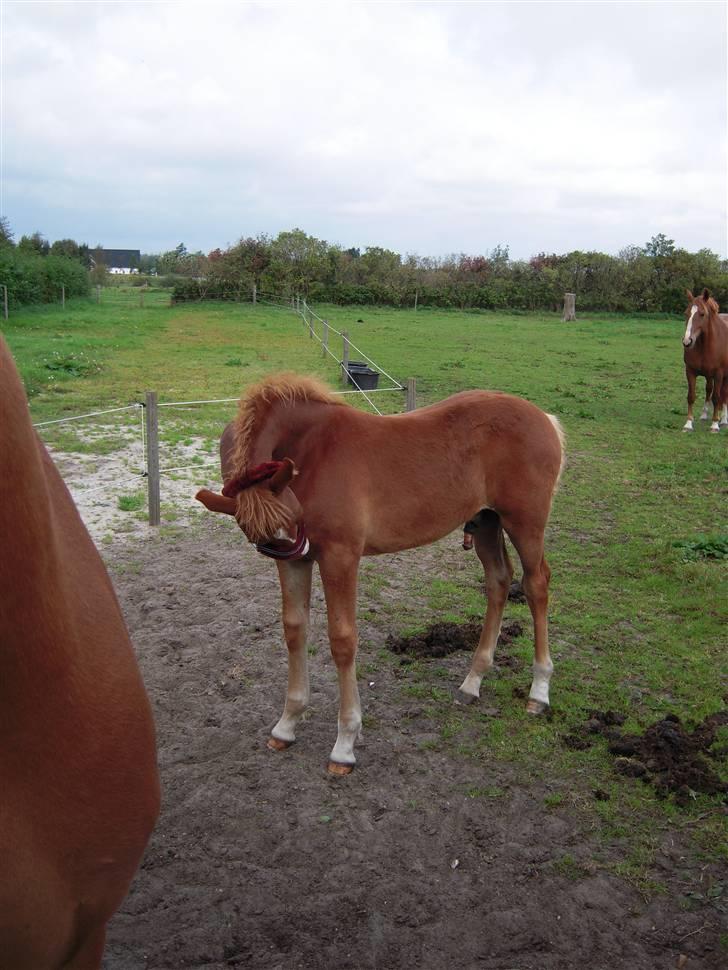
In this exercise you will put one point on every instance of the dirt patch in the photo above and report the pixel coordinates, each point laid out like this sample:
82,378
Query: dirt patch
422,858
442,639
666,756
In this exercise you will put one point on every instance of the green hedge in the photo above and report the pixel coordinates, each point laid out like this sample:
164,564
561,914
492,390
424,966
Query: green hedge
38,279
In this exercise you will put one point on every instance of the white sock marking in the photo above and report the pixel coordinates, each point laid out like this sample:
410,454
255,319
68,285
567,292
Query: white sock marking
540,685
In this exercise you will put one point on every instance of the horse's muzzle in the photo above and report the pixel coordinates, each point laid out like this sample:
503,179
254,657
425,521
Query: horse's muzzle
286,548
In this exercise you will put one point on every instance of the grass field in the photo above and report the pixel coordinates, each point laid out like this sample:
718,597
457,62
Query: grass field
638,609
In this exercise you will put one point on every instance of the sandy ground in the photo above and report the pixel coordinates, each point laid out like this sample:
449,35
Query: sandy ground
418,859
98,481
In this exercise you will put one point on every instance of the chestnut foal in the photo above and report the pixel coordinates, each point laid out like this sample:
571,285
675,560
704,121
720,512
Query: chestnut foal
705,352
312,479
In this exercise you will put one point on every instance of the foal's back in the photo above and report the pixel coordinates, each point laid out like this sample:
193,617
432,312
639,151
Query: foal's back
78,772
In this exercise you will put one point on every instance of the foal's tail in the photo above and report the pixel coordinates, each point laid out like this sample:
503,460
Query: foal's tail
562,441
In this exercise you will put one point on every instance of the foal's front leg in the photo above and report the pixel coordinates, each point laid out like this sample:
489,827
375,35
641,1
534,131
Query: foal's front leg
295,580
688,426
339,568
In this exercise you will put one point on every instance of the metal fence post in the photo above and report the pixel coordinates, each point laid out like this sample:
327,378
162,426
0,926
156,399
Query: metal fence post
345,356
152,422
325,339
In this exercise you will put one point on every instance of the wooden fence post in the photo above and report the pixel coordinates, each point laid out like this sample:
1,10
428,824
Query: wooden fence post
569,307
417,293
152,423
255,294
345,356
325,339
411,394
63,295
5,302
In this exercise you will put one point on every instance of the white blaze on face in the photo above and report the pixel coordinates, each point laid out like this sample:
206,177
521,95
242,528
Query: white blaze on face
689,329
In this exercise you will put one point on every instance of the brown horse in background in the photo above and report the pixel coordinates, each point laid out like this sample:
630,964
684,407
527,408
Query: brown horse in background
79,792
705,344
312,479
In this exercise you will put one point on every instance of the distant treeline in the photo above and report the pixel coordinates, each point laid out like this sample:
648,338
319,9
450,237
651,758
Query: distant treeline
34,270
652,278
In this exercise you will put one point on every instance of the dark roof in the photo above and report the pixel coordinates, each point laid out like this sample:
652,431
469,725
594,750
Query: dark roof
118,258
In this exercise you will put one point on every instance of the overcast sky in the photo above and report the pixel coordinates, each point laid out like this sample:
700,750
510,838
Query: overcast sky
423,127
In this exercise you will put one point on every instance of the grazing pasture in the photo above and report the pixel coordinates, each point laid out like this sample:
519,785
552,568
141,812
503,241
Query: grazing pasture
467,835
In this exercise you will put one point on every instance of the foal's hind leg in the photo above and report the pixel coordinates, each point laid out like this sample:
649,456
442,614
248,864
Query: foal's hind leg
491,550
527,537
295,580
719,388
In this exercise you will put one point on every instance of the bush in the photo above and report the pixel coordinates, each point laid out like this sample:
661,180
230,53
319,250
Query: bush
38,279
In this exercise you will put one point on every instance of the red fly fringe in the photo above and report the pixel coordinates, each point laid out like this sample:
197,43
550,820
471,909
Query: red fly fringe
260,473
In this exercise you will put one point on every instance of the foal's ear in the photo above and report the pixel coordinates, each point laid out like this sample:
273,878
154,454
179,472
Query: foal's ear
216,502
285,474
706,293
690,295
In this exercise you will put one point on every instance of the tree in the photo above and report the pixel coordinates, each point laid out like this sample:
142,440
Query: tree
36,243
660,245
6,233
499,257
297,260
65,247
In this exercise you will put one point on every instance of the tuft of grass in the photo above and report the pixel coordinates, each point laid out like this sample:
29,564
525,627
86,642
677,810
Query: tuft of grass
133,502
702,547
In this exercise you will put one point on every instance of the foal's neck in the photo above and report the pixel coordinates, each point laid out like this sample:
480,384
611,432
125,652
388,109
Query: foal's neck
285,426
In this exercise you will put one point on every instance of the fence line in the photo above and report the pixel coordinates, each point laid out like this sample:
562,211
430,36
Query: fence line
89,414
307,309
149,410
398,385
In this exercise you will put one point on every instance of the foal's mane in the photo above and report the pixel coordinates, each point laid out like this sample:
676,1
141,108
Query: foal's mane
710,303
259,400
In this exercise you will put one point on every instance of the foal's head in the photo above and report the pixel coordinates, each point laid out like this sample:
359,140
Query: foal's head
697,316
264,506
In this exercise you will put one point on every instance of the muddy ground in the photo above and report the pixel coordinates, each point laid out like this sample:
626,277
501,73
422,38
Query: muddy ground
416,860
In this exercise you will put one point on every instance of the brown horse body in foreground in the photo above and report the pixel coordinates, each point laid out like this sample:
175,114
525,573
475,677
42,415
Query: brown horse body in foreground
365,484
79,791
705,352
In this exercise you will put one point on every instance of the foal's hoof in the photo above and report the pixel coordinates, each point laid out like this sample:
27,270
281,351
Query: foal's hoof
335,768
536,707
275,744
467,542
461,697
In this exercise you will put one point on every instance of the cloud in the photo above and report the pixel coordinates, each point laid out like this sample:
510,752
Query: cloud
424,127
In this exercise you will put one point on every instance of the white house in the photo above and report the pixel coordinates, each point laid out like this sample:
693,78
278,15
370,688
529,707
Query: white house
125,261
